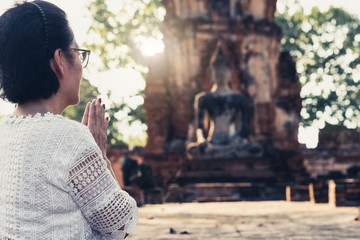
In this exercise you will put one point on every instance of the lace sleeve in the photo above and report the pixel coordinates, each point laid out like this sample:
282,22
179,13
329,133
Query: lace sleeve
107,208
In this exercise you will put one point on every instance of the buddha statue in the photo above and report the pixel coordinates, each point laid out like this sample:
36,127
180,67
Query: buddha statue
228,113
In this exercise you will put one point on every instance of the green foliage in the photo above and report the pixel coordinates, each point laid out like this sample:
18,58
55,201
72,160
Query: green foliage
87,94
133,114
137,141
137,114
114,135
326,48
121,33
116,36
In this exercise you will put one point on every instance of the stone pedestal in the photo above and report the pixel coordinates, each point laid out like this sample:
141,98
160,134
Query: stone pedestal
229,170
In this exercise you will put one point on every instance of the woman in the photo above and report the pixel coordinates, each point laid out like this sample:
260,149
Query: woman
55,179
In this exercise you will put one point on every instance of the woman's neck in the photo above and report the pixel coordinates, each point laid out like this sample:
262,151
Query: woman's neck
34,107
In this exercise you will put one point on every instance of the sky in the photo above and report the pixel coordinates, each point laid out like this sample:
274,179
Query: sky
128,82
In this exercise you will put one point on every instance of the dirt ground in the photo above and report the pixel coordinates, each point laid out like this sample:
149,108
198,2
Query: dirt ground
247,220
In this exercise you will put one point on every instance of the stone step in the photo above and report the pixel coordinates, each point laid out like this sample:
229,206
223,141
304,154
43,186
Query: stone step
231,170
244,191
208,176
228,164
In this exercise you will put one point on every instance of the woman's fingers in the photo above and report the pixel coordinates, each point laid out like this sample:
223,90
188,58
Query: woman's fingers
85,118
106,123
92,116
103,117
97,123
103,110
99,112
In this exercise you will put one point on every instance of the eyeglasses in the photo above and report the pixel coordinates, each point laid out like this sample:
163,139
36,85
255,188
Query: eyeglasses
83,56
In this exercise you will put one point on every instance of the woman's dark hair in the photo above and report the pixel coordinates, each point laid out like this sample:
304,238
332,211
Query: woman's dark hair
30,33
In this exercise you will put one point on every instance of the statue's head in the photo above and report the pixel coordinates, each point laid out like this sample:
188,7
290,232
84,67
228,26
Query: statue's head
220,68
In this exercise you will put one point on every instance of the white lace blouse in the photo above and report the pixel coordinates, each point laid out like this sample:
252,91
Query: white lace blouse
54,183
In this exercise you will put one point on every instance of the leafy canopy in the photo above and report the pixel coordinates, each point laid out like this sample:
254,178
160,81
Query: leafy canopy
326,46
120,30
87,94
117,34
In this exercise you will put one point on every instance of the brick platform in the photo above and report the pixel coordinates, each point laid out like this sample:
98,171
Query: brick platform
207,192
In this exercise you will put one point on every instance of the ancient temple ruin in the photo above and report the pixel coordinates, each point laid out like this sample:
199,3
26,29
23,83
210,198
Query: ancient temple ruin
245,32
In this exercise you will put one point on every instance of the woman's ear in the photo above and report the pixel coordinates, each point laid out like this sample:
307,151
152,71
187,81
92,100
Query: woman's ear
57,63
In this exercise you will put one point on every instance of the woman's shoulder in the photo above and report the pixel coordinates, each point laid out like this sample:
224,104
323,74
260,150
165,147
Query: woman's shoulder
53,125
70,127
59,119
53,128
38,119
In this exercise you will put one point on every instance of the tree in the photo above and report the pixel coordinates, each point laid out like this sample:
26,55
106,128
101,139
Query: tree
121,33
87,94
133,115
115,138
326,48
